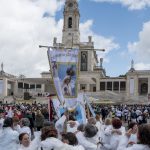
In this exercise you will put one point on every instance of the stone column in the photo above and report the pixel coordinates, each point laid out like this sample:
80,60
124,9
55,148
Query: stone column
23,87
112,85
43,88
15,90
128,86
136,86
35,87
97,85
5,87
88,87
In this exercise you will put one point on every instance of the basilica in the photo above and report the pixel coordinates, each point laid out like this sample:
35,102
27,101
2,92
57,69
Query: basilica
133,87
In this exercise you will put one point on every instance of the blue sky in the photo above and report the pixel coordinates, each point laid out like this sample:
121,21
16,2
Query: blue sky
112,19
117,21
122,27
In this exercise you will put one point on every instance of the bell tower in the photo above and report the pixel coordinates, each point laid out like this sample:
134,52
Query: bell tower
71,34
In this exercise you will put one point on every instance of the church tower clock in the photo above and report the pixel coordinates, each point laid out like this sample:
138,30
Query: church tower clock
71,34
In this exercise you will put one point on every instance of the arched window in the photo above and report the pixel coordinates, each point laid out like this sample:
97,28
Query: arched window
69,22
84,61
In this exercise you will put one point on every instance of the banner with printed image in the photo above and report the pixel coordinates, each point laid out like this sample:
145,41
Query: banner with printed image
64,69
78,111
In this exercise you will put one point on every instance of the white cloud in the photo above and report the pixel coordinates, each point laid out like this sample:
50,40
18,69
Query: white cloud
141,48
131,4
142,66
23,29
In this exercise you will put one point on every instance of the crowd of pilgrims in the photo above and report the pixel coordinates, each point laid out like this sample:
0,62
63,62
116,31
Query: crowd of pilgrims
120,127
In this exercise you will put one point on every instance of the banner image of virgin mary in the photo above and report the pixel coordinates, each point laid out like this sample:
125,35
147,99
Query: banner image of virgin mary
67,75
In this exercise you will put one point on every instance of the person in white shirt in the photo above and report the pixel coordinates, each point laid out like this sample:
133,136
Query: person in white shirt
119,113
99,122
133,137
143,137
50,141
89,139
1,121
71,139
116,131
107,125
24,124
16,125
27,144
10,113
9,137
63,124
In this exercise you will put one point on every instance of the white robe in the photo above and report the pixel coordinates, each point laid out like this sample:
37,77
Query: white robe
78,147
9,139
114,139
34,145
124,141
17,128
25,129
84,142
56,144
99,125
1,123
105,135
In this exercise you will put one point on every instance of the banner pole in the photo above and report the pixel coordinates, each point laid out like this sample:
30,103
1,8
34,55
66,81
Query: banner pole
50,109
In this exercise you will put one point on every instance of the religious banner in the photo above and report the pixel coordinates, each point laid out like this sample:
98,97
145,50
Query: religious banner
64,69
59,109
89,105
78,111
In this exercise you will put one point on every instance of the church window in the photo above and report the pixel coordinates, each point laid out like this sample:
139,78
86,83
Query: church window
69,22
70,5
84,59
102,86
116,86
109,86
20,85
32,86
26,86
82,86
122,86
38,86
